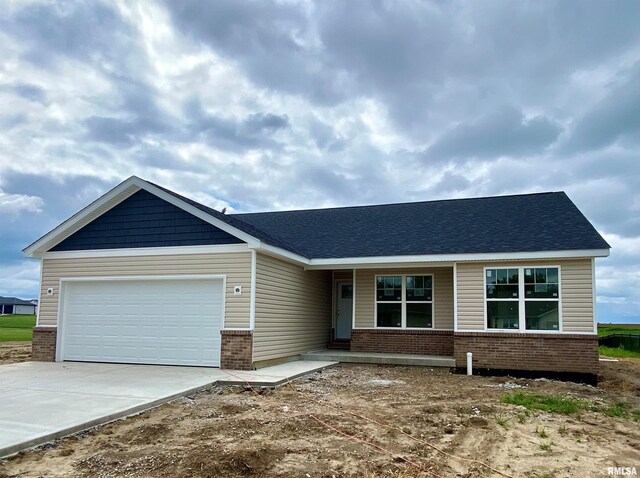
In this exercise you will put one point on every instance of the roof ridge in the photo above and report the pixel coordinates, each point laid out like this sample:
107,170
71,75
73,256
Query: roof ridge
362,206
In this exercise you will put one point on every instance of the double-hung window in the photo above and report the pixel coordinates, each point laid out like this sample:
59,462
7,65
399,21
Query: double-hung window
404,301
523,298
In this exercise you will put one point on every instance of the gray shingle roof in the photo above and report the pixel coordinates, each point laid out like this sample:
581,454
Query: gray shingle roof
519,223
13,301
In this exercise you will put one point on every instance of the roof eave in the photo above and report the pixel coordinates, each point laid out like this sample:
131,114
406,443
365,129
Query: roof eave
355,262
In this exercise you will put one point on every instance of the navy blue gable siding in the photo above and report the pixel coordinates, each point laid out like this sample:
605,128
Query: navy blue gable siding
144,220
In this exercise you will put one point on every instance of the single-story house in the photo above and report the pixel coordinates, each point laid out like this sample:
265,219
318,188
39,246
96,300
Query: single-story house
145,275
13,305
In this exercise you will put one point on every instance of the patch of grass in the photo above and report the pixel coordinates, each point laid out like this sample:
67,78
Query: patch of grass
503,422
16,328
546,446
617,352
636,415
619,410
542,432
610,329
522,416
548,403
562,430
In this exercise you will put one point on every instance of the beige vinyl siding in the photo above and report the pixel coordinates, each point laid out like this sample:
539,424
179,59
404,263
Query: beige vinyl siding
576,292
236,266
293,309
442,294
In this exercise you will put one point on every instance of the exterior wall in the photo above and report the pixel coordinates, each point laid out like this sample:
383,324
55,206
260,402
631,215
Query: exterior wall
144,220
532,352
43,345
442,295
236,266
24,309
576,292
236,349
419,342
293,309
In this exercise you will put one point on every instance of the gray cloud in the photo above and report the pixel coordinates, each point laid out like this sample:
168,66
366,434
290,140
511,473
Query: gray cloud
503,133
614,118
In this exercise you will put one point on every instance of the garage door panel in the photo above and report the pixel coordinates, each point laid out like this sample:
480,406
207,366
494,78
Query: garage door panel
170,322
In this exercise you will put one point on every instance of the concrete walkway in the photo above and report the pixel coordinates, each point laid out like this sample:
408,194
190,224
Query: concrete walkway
42,401
347,356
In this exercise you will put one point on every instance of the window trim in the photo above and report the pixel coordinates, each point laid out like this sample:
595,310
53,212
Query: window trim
522,319
403,302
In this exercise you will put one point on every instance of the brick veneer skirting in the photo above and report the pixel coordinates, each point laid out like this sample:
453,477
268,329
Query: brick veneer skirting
236,349
571,353
418,342
43,346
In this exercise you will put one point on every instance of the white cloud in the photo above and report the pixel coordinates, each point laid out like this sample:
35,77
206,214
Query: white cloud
13,204
20,280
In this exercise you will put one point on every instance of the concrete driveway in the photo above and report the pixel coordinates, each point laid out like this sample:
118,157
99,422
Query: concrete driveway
41,401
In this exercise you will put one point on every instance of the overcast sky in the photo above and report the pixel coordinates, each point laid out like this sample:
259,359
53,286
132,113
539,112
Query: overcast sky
297,104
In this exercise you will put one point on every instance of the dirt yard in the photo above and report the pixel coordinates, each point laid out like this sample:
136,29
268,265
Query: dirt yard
353,421
12,352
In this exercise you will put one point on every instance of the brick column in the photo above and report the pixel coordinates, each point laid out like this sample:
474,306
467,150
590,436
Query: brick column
236,349
43,346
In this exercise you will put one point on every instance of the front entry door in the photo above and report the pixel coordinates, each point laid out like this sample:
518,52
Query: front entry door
344,310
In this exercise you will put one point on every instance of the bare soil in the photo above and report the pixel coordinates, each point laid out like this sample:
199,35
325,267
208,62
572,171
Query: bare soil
13,352
359,421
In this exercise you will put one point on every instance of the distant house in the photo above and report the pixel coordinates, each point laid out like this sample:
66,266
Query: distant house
144,275
12,305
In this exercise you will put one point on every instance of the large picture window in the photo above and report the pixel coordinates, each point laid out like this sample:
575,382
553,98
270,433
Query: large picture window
523,298
404,301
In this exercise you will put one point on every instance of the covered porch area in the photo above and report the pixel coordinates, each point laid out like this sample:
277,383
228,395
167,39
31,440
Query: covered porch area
393,312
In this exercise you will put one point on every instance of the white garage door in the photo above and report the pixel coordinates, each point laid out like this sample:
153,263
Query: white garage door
169,322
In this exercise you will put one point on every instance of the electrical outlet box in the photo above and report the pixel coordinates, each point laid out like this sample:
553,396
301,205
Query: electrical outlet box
50,291
237,290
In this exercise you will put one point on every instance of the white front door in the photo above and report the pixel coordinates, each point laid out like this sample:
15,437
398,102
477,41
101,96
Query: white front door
344,309
168,322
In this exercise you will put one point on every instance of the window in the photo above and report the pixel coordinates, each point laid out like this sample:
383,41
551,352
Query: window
404,301
502,291
541,298
524,298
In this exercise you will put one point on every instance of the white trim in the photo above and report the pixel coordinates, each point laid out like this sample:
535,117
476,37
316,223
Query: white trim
147,251
353,312
252,297
421,259
455,297
524,332
244,329
593,293
281,253
39,294
403,302
522,326
134,184
333,299
144,277
62,297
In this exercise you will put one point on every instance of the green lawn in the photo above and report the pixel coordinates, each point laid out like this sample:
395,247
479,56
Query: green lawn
610,329
15,328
